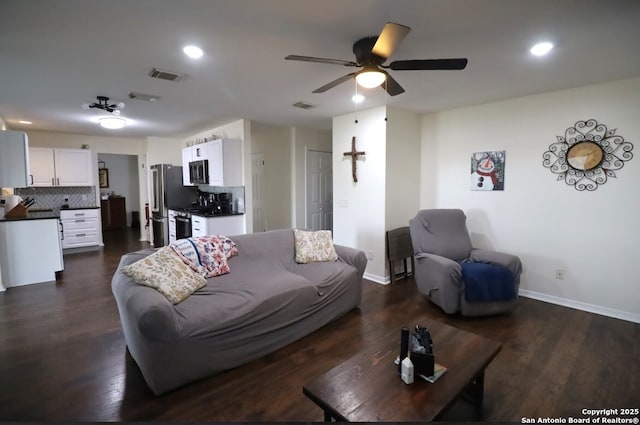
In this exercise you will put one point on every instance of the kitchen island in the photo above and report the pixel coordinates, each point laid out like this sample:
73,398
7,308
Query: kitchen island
30,249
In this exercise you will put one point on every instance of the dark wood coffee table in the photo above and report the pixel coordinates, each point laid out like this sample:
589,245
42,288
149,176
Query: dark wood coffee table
368,388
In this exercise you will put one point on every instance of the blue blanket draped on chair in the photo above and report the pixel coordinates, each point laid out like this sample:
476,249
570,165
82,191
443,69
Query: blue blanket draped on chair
487,282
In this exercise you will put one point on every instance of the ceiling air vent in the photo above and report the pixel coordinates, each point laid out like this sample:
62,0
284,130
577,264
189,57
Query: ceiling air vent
302,105
142,96
163,74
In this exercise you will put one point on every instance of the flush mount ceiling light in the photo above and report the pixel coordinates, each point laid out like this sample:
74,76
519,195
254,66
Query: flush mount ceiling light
103,103
112,123
193,52
541,49
370,77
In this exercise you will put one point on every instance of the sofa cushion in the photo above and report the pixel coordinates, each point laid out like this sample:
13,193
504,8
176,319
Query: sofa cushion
166,272
314,246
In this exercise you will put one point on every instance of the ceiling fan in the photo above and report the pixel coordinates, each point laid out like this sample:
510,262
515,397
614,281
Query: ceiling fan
372,52
103,103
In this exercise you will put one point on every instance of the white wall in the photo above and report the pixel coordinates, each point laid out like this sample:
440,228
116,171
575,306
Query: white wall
302,141
162,150
403,167
274,143
592,236
359,208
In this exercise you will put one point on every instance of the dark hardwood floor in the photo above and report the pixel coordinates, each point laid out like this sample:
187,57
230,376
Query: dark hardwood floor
63,357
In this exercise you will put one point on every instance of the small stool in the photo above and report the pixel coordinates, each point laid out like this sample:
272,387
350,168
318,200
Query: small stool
399,248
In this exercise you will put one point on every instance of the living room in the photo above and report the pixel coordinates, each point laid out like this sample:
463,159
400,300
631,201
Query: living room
424,162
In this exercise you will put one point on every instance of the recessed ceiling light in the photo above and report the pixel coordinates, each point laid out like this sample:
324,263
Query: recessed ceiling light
357,98
193,52
541,49
25,122
112,123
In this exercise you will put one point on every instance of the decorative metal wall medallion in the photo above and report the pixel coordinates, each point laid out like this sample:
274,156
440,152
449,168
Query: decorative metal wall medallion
587,155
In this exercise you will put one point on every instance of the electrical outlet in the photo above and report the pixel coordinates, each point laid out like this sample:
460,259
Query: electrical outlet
370,255
66,198
559,274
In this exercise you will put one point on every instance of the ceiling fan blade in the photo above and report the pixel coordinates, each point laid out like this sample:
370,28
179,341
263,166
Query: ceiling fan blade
320,60
390,37
392,86
334,83
428,64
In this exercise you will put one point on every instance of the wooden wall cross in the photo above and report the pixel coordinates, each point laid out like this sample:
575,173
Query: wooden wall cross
354,154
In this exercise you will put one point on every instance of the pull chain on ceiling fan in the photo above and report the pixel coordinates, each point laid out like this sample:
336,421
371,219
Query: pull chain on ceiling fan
372,52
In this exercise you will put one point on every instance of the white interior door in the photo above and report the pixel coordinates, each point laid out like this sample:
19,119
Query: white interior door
319,191
257,179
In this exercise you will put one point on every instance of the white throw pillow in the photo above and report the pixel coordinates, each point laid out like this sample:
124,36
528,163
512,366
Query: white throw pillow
314,246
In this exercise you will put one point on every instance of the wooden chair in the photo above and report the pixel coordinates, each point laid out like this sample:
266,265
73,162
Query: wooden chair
399,248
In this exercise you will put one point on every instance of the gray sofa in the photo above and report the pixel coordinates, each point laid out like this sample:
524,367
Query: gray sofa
266,302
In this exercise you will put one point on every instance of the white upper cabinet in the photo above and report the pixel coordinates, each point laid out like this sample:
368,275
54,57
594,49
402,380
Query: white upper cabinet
42,167
73,167
60,167
216,163
186,159
14,161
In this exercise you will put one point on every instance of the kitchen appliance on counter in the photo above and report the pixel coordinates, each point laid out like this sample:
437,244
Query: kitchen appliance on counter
210,203
225,200
167,192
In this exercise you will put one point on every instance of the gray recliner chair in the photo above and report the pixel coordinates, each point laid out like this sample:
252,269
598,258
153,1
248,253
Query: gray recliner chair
444,258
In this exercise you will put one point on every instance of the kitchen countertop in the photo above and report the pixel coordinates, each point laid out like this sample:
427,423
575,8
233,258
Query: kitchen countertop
43,214
206,215
39,215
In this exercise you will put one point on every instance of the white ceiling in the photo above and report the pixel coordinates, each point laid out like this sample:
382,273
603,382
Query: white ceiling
57,55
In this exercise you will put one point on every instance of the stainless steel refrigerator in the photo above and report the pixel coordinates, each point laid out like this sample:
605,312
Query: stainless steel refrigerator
167,192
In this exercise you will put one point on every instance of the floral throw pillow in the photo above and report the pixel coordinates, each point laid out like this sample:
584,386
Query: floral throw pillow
206,255
314,246
166,272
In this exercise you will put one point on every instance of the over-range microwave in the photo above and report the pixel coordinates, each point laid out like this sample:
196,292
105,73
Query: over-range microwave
199,171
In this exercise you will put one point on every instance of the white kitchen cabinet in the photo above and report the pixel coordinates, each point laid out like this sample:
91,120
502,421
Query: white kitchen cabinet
220,225
14,159
81,228
60,167
172,226
30,251
41,167
225,161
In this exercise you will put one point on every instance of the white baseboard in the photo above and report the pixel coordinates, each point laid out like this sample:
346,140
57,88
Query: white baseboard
578,305
383,280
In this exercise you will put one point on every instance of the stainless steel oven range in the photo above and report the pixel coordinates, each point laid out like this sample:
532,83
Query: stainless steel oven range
183,224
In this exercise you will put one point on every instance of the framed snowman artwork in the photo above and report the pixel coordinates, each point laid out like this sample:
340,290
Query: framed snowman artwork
487,170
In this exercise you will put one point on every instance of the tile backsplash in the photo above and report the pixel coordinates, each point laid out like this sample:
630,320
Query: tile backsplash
54,197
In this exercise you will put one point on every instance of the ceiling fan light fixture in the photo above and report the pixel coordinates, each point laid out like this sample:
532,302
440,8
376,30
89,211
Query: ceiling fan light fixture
370,78
112,123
